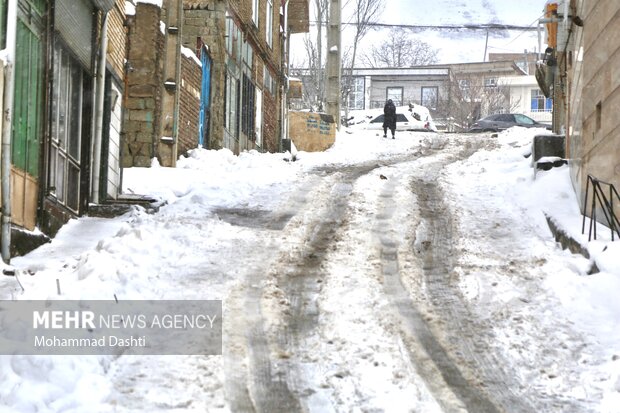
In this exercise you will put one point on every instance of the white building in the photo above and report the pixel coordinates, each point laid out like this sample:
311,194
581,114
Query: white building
527,98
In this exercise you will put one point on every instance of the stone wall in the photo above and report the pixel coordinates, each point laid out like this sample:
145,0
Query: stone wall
206,20
143,94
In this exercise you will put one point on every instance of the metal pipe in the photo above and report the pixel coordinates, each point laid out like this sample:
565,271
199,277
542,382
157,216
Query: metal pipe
99,112
287,36
5,157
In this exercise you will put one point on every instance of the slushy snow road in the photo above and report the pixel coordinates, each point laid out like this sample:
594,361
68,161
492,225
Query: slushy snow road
410,275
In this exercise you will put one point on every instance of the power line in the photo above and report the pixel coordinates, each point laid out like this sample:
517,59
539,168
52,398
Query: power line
483,26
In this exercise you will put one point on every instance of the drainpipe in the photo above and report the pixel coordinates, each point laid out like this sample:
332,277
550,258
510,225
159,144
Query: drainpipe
287,50
99,111
5,157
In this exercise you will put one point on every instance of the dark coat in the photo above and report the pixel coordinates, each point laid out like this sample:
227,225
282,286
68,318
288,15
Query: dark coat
389,115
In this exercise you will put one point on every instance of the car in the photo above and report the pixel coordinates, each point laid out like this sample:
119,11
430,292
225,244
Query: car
407,119
503,121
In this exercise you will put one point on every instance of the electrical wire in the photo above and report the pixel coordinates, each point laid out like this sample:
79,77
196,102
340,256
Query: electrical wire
473,26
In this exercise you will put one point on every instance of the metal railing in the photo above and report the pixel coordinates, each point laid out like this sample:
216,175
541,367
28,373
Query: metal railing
606,204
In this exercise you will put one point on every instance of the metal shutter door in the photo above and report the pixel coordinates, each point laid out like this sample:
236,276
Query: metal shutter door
74,21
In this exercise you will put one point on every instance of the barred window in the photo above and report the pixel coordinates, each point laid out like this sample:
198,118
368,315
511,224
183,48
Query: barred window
248,103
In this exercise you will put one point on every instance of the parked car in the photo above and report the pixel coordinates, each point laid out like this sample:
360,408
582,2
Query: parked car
502,121
407,119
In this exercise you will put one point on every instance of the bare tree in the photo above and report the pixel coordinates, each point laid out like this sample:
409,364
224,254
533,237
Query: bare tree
322,16
473,97
401,50
312,78
365,14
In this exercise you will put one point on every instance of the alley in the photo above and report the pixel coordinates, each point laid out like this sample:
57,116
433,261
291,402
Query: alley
381,275
383,234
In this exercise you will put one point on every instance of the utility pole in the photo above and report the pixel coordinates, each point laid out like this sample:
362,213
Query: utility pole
333,62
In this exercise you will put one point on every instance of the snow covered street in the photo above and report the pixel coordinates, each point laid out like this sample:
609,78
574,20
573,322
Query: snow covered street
413,275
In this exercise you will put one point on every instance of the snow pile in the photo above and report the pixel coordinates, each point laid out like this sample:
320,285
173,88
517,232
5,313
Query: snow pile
511,203
215,178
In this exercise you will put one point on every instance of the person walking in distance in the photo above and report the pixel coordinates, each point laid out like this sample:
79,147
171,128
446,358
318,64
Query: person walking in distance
389,118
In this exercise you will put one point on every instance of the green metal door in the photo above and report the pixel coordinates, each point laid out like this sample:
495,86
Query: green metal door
28,106
27,112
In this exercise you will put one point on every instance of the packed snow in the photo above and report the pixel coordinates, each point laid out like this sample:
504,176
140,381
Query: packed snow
186,251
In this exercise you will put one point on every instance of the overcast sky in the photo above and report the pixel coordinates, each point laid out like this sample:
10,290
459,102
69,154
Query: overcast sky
469,46
466,46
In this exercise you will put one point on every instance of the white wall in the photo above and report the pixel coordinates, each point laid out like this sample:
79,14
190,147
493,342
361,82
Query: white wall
521,96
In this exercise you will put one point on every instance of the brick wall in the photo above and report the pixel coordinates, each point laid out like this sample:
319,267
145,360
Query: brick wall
143,94
270,122
189,104
117,39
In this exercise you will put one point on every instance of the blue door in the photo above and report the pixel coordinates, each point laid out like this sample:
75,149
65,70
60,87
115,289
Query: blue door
205,98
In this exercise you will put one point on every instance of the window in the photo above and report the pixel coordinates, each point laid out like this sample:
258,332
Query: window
269,23
255,7
490,82
396,94
524,120
258,121
229,34
540,103
234,44
247,54
505,118
232,105
430,96
269,82
248,103
356,94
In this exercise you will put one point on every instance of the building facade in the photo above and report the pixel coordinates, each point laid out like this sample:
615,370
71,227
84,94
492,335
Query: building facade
245,48
456,95
588,79
527,98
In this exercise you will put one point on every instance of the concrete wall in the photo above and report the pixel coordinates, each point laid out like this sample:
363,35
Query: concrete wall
311,132
596,149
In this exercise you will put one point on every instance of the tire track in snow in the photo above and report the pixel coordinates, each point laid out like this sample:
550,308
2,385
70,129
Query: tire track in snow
451,389
491,387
